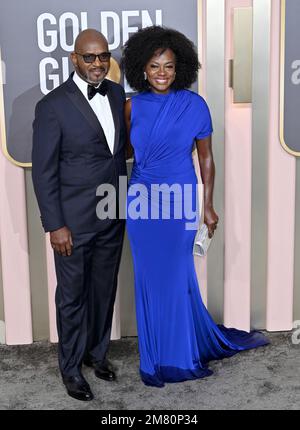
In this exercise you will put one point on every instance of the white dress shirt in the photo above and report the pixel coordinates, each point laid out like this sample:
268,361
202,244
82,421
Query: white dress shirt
101,107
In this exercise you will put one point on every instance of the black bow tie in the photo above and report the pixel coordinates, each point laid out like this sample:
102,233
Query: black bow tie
102,89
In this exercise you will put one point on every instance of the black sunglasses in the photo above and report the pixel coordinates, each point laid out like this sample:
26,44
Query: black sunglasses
104,57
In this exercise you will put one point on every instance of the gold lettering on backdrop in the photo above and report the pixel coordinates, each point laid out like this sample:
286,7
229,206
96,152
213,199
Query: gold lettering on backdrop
56,36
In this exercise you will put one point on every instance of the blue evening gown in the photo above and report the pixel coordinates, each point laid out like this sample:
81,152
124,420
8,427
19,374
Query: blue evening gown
177,336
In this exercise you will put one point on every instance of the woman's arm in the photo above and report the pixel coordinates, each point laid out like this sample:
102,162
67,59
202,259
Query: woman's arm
129,148
207,169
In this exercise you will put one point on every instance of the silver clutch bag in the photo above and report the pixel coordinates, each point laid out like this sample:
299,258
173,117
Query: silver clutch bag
202,241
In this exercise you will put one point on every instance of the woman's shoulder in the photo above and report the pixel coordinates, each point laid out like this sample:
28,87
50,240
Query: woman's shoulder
140,96
133,102
195,97
198,102
138,99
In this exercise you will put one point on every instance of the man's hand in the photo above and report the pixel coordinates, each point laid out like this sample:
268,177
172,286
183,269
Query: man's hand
61,241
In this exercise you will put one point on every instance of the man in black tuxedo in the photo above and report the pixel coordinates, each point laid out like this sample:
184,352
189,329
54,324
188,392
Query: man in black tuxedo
79,144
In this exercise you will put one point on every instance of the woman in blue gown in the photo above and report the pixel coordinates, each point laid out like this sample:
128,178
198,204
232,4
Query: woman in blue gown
177,336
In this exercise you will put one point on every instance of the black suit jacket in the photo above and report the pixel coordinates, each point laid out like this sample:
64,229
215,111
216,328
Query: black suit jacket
71,157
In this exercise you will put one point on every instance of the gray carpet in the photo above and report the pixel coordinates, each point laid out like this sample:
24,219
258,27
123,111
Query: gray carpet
265,378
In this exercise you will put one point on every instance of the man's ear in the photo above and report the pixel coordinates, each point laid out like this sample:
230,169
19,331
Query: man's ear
74,59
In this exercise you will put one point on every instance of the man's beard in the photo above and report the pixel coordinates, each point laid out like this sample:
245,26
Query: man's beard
85,76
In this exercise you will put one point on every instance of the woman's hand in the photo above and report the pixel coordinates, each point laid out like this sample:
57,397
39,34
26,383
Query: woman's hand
211,219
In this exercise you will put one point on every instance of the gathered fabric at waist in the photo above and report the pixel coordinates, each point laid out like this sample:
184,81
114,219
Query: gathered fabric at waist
166,193
157,173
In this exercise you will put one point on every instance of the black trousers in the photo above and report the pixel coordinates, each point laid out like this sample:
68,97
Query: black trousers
85,295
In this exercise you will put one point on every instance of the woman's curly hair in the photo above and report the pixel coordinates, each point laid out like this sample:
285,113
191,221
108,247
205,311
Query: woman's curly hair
141,47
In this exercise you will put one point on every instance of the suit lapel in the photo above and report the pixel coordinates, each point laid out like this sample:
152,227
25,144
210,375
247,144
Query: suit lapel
80,102
115,114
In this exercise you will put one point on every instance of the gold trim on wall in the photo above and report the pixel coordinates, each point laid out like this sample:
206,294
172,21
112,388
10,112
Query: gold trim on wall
3,126
282,76
114,73
243,54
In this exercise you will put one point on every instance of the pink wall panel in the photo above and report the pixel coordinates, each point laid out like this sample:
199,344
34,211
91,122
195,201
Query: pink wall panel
281,204
238,126
200,262
51,290
14,245
14,254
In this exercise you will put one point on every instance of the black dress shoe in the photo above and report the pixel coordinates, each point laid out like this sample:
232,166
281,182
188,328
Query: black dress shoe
102,370
78,388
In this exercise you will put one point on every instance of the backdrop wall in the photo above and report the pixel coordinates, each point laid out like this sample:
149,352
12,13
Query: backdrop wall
250,277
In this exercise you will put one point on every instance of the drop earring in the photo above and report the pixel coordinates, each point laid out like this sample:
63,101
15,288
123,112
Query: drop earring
145,76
